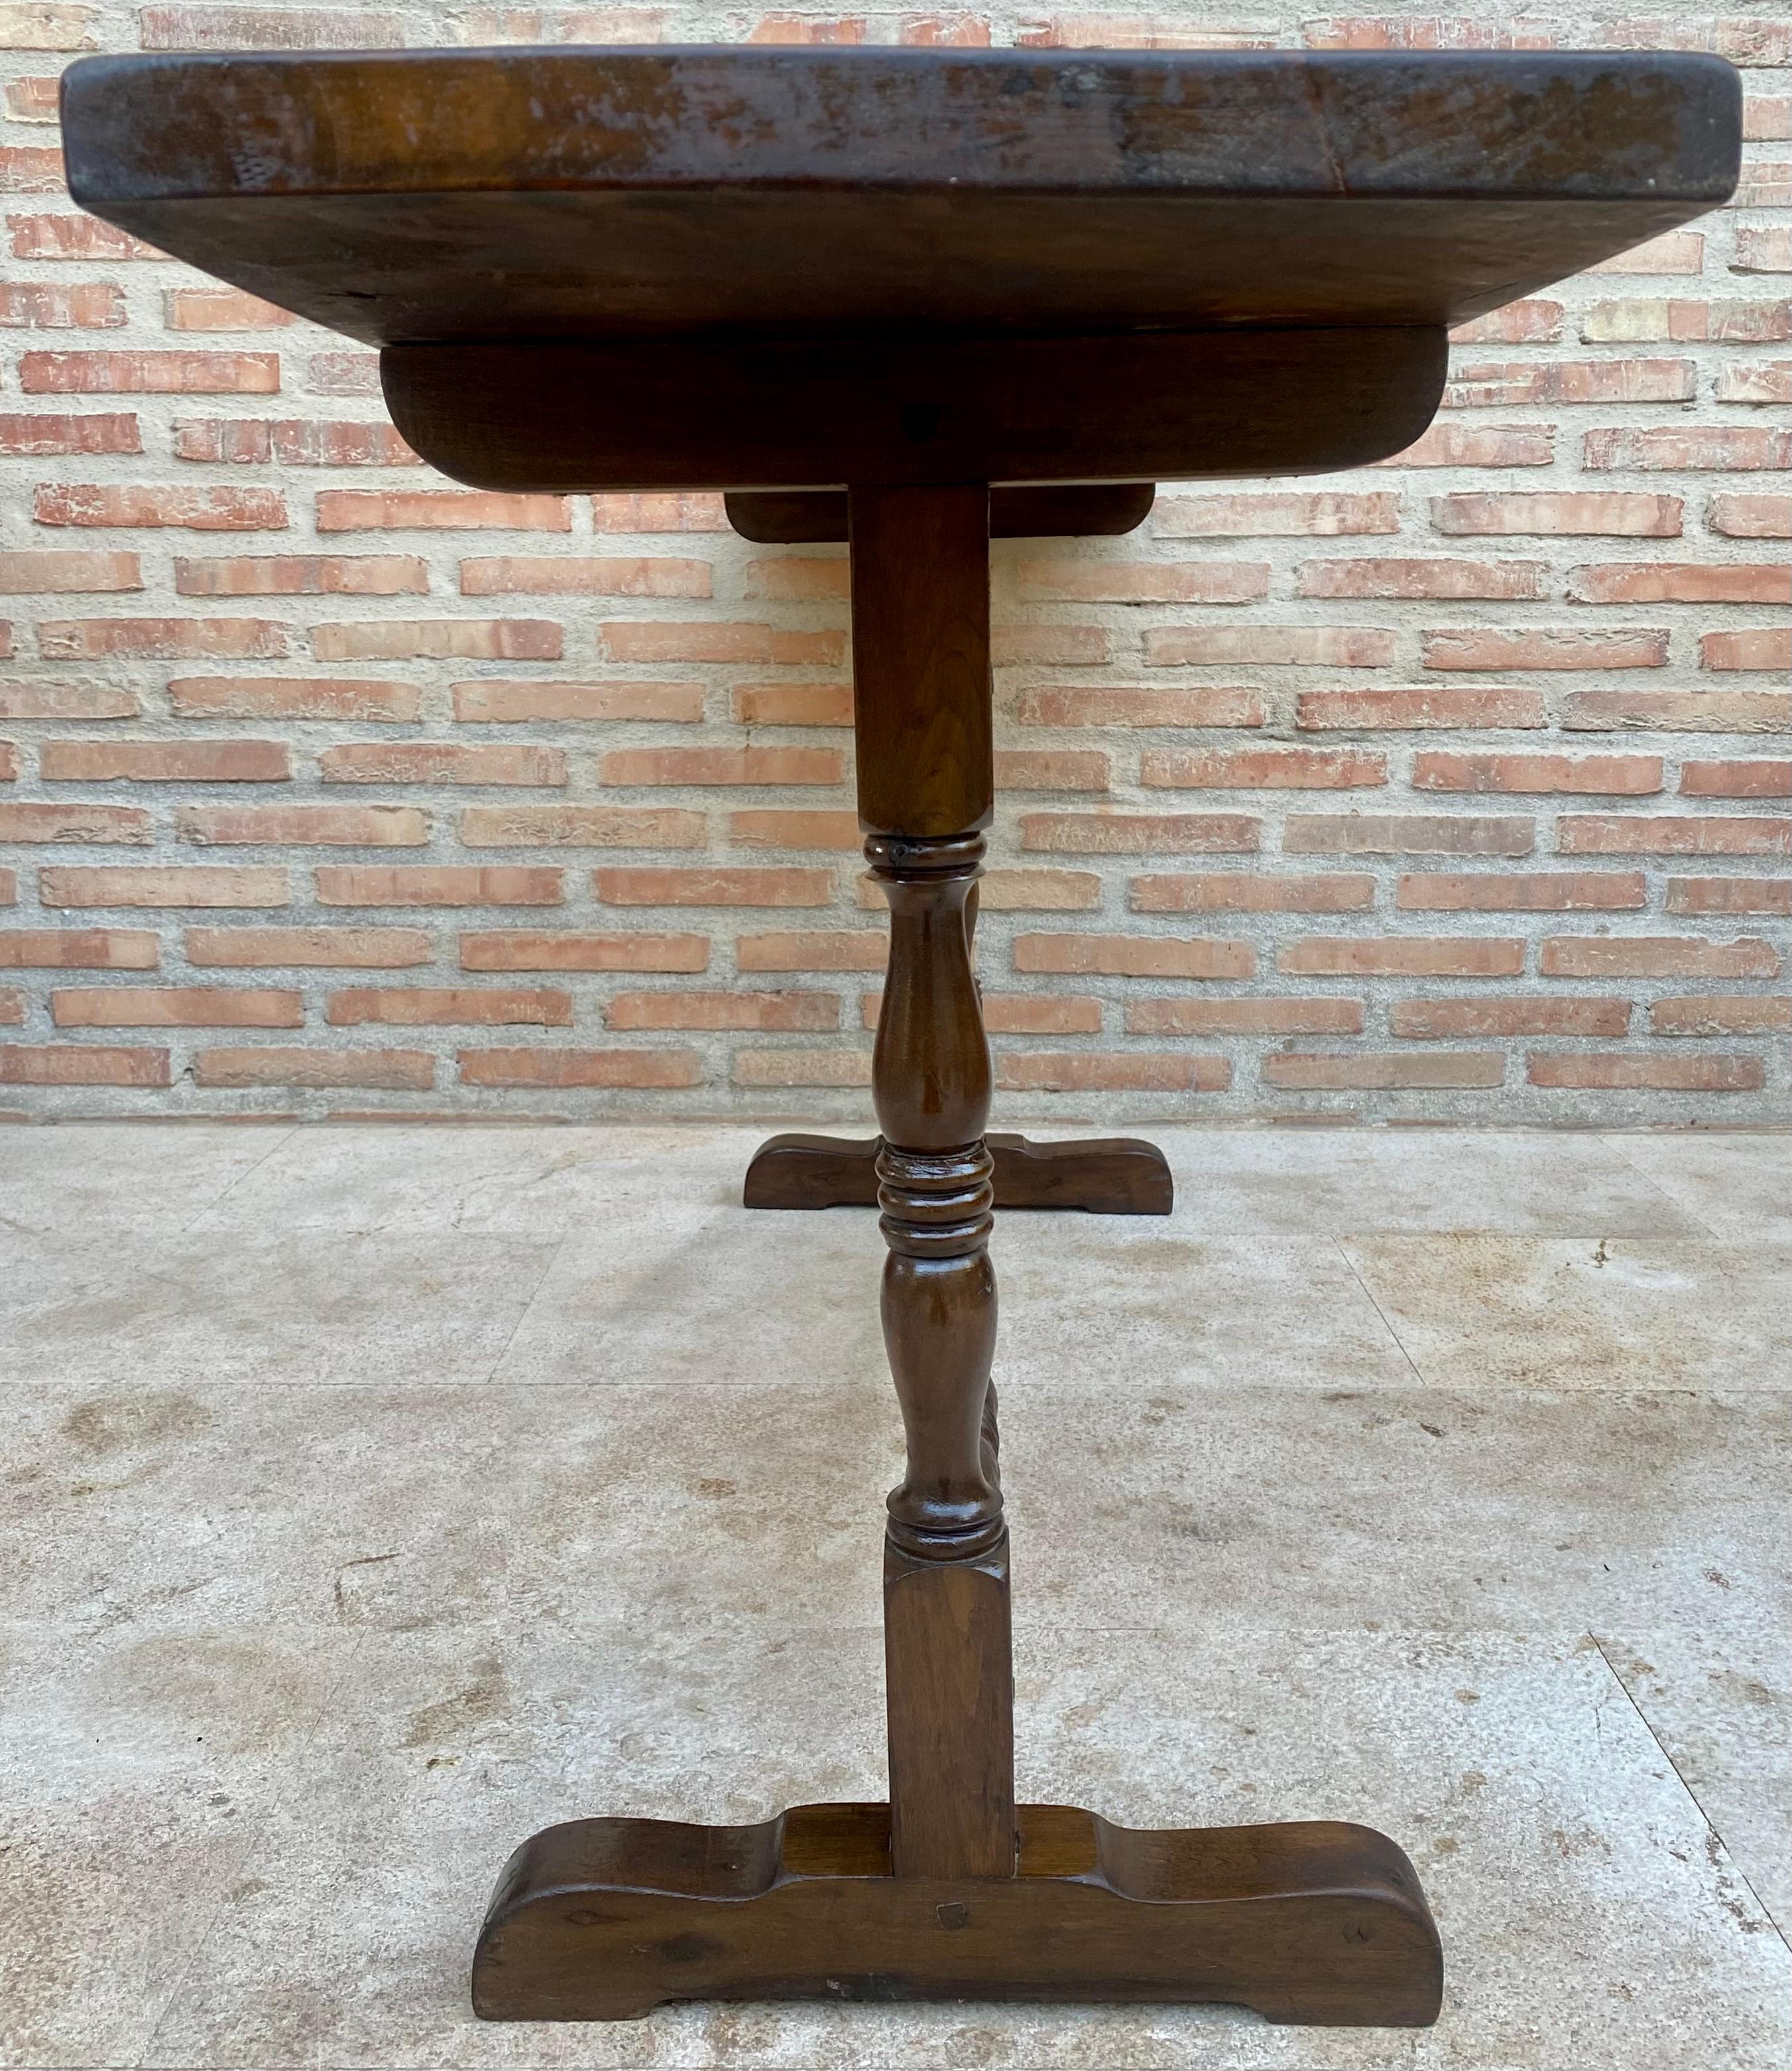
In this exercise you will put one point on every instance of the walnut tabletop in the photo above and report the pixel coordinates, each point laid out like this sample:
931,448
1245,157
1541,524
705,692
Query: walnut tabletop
913,298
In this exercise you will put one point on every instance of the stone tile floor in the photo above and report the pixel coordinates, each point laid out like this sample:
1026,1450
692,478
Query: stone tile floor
375,1495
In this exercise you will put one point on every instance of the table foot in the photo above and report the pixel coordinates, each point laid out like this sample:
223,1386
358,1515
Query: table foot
1114,1176
1316,1922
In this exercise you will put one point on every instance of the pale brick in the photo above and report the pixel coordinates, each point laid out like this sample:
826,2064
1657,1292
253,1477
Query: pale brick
562,949
1139,834
1706,1015
545,1067
293,697
84,1065
580,826
1656,956
789,1012
163,884
1583,1071
418,1006
1134,956
175,1006
438,884
1452,1020
1252,891
1244,1017
362,948
345,826
512,703
1372,1071
275,1064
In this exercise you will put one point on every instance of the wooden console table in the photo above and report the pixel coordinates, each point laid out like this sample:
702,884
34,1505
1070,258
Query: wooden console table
859,288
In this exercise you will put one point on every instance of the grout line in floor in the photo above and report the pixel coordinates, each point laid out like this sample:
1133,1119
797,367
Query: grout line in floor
1350,1266
281,1139
1615,1144
1690,1790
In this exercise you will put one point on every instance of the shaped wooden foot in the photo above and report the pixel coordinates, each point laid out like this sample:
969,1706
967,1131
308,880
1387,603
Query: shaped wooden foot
606,1919
1115,1175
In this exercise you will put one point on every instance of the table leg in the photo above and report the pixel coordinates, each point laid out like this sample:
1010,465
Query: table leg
951,1890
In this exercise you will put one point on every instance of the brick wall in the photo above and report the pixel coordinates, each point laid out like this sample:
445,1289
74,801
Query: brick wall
1457,787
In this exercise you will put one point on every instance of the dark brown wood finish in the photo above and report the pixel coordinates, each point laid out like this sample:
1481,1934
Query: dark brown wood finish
814,518
606,1919
906,275
1112,1175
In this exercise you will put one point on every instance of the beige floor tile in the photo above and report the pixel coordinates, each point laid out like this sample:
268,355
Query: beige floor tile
1482,1311
1738,1184
1589,1916
137,1773
106,1177
1754,1822
1721,1706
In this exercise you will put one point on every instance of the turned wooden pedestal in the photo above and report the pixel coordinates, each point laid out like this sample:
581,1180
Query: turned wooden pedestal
912,296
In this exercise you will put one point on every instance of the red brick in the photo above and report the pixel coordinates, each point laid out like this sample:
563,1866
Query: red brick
1036,890
1280,768
60,701
837,832
84,1065
291,442
1441,770
446,510
360,948
1521,892
1656,956
1678,711
31,99
1407,833
160,639
1736,780
1446,445
48,306
1133,956
1280,515
1445,1020
553,574
1768,382
439,640
657,640
1090,1071
54,436
1557,512
175,1006
418,1006
580,1068
8,763
1140,834
1706,1015
22,574
789,1011
800,579
82,238
1675,449
802,1067
1408,956
438,884
162,884
722,886
1154,705
216,308
1273,646
12,1006
1021,1013
149,373
1364,577
684,510
114,826
1244,1017
1047,646
1372,1071
1530,322
1615,1071
1483,648
1675,582
292,697
166,762
798,29
9,888
1500,384
558,949
507,703
838,950
1663,833
302,575
347,826
1760,647
77,949
226,28
1145,582
440,762
580,826
192,509
723,766
31,169
1739,517
1050,769
1729,895
788,704
1443,705
1250,891
275,1064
